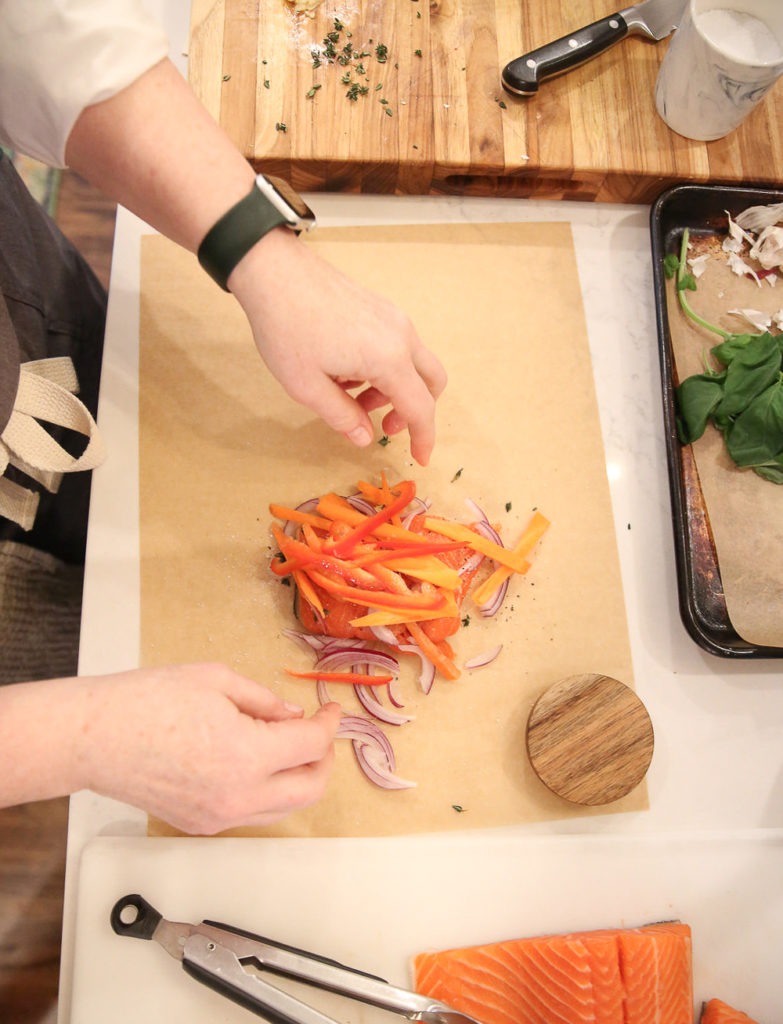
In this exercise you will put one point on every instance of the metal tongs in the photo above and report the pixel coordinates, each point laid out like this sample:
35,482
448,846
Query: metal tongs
227,959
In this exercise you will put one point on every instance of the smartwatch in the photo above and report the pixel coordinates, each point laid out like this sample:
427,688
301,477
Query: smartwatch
270,203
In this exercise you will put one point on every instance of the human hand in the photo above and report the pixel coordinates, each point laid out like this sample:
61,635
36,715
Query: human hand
201,747
287,292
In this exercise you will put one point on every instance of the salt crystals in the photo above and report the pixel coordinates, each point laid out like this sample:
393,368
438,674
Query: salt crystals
740,35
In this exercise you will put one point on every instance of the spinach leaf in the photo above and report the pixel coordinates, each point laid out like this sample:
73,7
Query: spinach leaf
729,348
754,367
756,436
772,470
696,399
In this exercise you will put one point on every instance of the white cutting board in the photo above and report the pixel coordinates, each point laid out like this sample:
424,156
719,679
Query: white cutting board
373,904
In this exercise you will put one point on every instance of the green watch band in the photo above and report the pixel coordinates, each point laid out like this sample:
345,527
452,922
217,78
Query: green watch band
236,233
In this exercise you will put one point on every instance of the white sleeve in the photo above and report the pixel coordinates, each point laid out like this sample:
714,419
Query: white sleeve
59,56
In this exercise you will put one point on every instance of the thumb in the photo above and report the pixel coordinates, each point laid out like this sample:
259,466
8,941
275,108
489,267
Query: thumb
339,410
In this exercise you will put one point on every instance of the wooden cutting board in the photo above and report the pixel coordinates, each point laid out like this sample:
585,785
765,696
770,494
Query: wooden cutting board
590,134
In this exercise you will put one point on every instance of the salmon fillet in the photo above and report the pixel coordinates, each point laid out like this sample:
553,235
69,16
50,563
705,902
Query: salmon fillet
613,976
715,1011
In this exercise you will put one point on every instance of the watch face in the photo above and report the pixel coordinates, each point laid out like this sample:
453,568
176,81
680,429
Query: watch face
287,200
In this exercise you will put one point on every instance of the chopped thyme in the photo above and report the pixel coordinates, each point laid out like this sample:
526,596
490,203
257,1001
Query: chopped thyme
346,78
312,92
387,111
466,620
383,441
379,86
266,83
457,475
508,506
458,808
286,581
417,53
281,126
381,53
226,77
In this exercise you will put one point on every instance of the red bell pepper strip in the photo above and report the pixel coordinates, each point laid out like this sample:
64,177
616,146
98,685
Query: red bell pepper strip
357,678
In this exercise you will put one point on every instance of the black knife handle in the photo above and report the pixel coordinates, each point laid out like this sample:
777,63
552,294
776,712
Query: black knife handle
523,75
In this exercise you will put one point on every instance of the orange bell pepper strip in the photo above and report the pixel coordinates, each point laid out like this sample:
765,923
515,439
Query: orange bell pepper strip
307,591
300,556
378,598
476,542
534,531
431,650
294,516
357,678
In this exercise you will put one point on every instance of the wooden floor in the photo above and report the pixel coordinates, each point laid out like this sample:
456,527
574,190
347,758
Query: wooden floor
32,837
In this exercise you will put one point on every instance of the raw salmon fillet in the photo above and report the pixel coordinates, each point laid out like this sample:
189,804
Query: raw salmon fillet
614,976
715,1011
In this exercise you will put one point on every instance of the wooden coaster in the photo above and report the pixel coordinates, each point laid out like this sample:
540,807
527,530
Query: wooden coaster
590,739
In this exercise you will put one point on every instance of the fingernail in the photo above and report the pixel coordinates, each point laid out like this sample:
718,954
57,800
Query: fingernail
360,436
295,709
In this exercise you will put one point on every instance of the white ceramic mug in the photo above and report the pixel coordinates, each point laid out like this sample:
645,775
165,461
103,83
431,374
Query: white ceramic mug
723,58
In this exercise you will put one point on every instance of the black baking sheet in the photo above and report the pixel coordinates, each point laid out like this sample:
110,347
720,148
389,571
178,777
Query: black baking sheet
702,209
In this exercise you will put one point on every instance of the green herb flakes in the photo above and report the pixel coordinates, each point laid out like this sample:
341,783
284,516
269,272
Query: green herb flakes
383,441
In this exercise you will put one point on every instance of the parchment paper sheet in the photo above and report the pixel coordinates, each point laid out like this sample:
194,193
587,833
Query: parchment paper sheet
219,440
745,511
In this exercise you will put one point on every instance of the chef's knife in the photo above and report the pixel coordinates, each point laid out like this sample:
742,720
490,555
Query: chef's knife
655,19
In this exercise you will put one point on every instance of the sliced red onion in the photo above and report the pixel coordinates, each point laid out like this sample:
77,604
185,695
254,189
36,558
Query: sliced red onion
342,657
488,531
420,507
361,729
495,603
308,640
361,504
472,563
322,690
384,634
481,660
370,703
291,527
478,512
354,642
393,690
371,763
427,677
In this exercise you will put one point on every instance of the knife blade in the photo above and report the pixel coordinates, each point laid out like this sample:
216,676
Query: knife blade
654,19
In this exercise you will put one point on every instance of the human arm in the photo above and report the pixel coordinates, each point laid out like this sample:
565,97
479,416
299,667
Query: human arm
198,746
155,149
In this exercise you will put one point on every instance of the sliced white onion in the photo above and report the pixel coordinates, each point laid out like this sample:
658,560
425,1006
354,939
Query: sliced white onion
369,701
480,660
